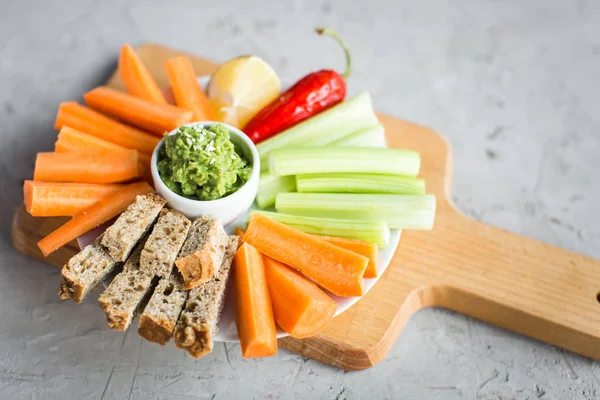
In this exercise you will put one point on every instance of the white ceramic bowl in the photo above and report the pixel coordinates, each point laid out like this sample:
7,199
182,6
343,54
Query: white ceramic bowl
226,209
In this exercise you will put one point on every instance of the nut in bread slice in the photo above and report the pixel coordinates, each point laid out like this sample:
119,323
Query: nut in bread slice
164,243
126,293
160,316
85,270
202,252
122,236
197,325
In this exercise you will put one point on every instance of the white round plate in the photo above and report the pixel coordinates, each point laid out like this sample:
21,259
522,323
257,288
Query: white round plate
227,326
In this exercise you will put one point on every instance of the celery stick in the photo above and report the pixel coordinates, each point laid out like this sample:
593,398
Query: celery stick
270,186
359,183
413,219
399,211
373,136
375,231
362,160
330,125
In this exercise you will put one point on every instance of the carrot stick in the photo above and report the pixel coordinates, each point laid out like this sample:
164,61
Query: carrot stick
255,321
88,167
137,78
153,117
186,90
93,123
50,199
169,96
300,307
93,216
338,270
72,140
367,249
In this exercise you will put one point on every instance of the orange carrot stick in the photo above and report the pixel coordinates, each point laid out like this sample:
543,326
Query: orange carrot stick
137,78
88,167
169,96
338,270
153,117
71,140
51,199
186,90
367,249
255,321
93,123
93,216
300,307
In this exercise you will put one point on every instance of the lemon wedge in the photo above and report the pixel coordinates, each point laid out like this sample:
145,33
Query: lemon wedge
242,87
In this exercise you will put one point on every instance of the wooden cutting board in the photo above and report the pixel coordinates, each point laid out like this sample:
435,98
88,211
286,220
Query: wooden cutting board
515,282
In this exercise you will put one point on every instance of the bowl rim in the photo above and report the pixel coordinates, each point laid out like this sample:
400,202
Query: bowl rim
232,130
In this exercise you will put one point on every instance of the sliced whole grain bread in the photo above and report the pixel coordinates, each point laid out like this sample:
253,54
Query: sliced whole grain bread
126,293
84,271
122,236
197,325
164,243
160,316
202,252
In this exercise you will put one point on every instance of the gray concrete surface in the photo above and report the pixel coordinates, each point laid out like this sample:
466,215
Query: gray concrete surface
513,85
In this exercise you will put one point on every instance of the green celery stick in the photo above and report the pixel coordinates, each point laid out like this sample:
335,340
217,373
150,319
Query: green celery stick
324,128
399,211
270,186
413,219
362,160
373,136
375,231
359,183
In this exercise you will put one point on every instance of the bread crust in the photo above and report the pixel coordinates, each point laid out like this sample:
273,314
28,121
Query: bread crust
133,223
124,297
160,316
202,252
197,324
164,243
86,270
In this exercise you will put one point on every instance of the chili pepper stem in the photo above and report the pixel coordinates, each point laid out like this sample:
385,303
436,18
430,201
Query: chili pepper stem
338,38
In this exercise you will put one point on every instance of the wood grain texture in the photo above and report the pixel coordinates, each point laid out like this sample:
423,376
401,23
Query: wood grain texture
515,282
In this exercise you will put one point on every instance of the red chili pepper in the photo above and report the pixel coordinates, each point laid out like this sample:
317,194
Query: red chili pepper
309,96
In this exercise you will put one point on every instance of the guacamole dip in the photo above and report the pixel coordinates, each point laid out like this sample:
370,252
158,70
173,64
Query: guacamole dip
201,163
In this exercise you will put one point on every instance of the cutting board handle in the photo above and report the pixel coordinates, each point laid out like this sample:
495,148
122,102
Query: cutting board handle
515,282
